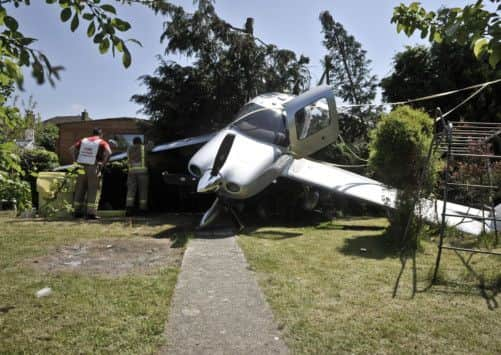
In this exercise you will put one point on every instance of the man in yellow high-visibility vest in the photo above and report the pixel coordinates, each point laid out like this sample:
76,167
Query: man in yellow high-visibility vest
137,179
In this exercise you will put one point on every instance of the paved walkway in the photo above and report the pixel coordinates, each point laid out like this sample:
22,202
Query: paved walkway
218,307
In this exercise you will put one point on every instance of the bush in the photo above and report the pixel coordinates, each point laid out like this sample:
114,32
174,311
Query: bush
46,136
35,160
398,155
15,189
12,187
399,146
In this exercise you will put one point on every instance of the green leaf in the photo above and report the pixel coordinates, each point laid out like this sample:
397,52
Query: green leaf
109,8
98,38
91,29
65,14
126,58
26,41
11,23
88,16
480,46
119,45
437,37
50,1
24,58
120,24
74,23
104,45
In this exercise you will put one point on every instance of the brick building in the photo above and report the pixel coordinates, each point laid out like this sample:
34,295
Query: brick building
73,128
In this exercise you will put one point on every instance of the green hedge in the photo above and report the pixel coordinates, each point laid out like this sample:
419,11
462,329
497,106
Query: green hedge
398,154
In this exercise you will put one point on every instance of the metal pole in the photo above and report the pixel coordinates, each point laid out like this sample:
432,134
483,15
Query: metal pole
446,187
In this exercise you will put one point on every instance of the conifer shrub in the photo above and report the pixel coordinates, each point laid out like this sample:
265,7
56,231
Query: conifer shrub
398,157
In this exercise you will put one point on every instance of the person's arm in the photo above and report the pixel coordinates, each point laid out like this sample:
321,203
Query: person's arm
106,154
74,151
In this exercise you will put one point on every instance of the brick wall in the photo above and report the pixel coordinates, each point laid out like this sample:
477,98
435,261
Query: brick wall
71,132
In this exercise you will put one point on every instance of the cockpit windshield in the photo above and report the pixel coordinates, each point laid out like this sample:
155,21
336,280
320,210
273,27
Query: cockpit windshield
263,124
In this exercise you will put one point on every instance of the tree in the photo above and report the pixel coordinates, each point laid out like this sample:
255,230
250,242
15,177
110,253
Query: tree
420,71
229,66
348,71
46,135
473,25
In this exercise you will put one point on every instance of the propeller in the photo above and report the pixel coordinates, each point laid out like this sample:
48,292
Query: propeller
211,182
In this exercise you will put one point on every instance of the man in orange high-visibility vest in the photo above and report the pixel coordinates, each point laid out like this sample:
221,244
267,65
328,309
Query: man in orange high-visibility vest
92,154
137,179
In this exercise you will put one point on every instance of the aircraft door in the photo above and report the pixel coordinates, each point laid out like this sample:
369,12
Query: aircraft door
312,121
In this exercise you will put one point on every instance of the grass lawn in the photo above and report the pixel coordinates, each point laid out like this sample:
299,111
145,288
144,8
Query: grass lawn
88,312
330,288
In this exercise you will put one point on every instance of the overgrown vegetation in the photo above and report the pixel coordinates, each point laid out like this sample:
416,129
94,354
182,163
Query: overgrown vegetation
476,26
421,71
46,135
230,66
14,191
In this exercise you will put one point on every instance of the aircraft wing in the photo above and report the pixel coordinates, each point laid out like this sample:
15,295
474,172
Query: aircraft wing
159,148
183,143
362,188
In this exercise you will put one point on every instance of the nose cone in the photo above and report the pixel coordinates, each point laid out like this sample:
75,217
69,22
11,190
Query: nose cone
209,182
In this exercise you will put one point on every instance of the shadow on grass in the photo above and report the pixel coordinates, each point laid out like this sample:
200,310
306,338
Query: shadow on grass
349,227
272,234
489,291
150,220
178,235
369,246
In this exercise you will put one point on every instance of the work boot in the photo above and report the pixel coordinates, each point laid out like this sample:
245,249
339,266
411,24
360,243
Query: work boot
92,217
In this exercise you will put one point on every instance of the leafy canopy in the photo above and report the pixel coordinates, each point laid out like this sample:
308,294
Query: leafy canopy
473,25
420,71
229,66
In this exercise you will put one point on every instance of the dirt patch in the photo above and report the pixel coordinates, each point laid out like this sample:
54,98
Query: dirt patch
111,257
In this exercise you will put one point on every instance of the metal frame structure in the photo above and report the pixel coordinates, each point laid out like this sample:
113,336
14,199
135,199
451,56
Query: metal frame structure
458,139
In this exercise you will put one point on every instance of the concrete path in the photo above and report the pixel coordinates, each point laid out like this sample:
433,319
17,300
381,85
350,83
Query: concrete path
218,307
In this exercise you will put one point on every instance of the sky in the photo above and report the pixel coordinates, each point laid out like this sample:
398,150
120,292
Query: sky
102,86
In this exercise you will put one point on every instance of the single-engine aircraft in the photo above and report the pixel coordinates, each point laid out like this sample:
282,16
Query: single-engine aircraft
271,137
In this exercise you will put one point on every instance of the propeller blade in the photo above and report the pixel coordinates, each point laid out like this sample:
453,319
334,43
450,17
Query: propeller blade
211,214
222,153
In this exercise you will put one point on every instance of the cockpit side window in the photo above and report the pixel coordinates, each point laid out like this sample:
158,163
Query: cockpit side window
312,118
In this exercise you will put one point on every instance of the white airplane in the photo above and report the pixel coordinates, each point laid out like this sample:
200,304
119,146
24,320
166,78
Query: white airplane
271,137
